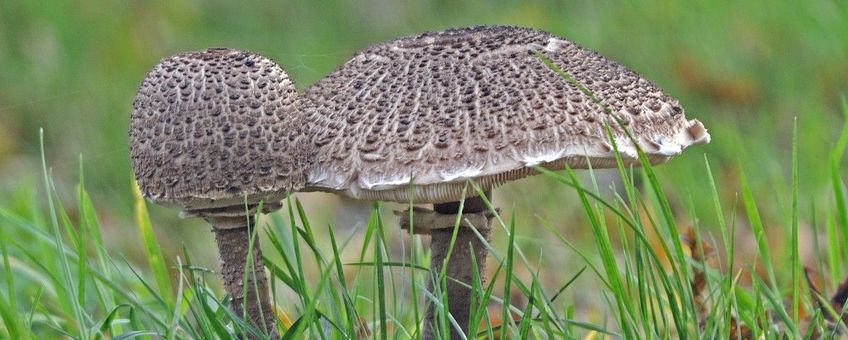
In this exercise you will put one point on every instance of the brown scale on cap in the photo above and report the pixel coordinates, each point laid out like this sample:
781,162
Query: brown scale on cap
211,128
478,103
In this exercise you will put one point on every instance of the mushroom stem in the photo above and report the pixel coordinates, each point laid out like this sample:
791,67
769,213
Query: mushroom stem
248,289
459,265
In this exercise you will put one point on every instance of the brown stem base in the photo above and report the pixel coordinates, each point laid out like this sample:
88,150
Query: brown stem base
459,266
249,297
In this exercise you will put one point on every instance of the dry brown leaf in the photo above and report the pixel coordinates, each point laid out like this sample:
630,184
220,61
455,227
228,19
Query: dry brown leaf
739,331
837,303
839,299
363,331
701,252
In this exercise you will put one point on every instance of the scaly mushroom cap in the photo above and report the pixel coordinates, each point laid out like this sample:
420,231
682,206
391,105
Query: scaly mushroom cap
212,128
437,109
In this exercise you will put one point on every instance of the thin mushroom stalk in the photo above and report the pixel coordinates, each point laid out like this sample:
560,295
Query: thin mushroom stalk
243,272
458,268
218,134
455,262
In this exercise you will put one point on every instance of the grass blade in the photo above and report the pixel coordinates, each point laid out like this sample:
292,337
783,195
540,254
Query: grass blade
153,254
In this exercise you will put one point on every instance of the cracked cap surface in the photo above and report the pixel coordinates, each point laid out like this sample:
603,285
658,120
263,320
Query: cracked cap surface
479,103
210,128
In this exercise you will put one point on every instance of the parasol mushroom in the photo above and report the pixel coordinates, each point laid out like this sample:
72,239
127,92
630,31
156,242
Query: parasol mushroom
214,134
414,119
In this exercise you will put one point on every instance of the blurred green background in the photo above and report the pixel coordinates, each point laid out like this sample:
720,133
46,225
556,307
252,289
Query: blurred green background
747,70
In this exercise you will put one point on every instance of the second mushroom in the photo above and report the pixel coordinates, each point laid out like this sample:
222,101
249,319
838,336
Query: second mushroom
414,119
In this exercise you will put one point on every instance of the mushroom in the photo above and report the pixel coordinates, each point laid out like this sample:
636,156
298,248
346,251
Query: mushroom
414,119
216,133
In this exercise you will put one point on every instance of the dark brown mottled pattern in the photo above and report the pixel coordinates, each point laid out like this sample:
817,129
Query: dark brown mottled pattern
478,103
211,128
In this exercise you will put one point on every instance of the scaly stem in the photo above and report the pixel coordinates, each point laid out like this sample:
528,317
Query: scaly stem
459,264
248,288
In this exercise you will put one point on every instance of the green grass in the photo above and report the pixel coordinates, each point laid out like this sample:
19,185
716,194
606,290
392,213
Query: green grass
65,281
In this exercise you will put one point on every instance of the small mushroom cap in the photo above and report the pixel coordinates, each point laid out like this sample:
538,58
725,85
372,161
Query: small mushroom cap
480,103
212,128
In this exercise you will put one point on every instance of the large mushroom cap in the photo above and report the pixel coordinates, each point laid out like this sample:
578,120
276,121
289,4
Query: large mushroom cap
212,128
437,109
